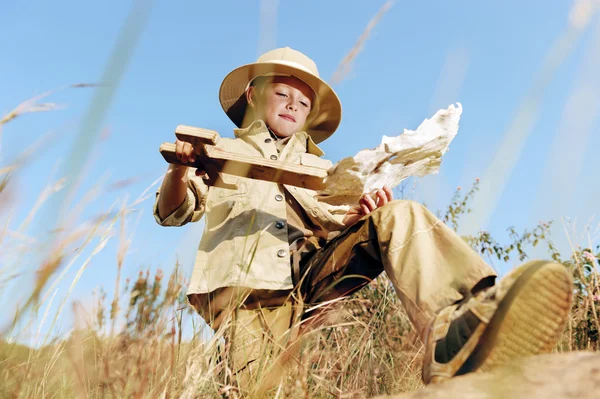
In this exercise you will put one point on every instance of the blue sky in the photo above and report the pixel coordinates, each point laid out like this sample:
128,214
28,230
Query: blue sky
422,56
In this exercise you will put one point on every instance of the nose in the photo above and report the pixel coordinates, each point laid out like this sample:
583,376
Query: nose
292,106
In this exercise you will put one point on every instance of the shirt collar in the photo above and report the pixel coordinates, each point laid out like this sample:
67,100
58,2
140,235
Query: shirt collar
259,126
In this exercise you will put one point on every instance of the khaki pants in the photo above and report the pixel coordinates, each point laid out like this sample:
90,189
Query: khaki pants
429,265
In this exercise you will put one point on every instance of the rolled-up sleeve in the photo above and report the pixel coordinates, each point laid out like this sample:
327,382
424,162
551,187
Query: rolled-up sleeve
335,213
191,209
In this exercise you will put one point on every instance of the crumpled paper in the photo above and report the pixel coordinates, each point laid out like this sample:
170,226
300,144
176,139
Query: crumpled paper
412,153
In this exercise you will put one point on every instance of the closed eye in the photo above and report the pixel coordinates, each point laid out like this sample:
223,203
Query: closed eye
281,94
304,103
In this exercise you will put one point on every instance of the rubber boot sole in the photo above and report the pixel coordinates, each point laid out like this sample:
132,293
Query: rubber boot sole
529,320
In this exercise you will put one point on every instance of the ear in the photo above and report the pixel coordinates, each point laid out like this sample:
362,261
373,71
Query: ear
251,96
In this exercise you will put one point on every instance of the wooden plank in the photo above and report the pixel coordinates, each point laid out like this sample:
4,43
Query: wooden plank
167,150
252,167
219,162
267,169
197,135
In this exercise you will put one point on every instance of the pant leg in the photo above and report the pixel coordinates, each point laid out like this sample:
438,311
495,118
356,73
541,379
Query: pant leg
259,345
429,264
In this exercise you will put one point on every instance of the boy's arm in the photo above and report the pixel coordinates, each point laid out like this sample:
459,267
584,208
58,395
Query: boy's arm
174,190
336,214
181,198
332,216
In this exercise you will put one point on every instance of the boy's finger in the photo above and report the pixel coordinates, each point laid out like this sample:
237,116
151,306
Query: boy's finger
187,151
370,202
187,148
389,193
200,172
364,208
382,196
178,149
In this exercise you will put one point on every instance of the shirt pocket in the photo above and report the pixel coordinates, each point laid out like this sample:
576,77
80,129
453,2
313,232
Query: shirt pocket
240,184
315,162
225,203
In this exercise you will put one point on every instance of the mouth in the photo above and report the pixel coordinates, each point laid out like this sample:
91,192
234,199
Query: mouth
288,117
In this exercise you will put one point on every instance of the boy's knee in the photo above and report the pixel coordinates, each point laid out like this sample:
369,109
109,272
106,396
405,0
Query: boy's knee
401,206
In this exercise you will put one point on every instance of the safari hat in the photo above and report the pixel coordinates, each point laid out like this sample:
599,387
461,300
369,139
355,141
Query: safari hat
326,113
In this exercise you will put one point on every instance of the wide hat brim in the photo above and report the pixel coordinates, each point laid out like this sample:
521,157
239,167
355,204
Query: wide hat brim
321,125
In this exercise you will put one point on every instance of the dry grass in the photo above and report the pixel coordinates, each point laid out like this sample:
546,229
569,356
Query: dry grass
345,65
367,348
139,351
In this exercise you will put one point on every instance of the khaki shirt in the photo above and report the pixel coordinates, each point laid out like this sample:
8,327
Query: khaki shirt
299,224
245,239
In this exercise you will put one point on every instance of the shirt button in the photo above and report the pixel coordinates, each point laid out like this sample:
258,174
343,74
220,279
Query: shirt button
281,253
279,224
273,156
268,140
279,197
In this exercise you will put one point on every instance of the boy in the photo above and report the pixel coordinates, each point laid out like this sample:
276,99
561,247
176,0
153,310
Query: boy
271,251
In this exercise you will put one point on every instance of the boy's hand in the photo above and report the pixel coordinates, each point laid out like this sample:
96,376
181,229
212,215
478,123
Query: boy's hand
186,153
368,203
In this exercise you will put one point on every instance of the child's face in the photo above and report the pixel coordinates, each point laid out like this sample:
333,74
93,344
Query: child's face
283,104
